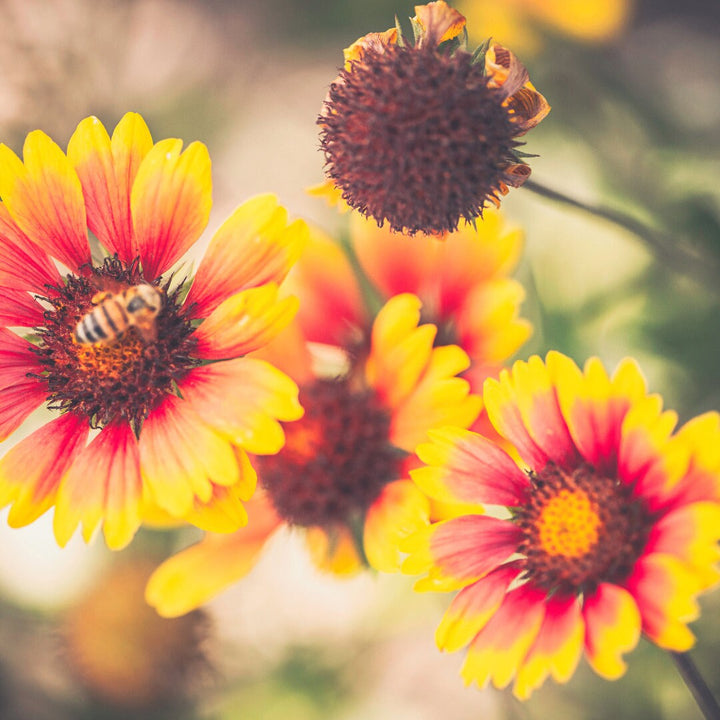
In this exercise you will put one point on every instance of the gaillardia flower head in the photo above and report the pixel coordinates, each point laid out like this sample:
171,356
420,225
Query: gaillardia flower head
342,474
127,658
423,134
609,529
155,403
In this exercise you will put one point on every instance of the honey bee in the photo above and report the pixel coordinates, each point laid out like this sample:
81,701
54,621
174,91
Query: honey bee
136,306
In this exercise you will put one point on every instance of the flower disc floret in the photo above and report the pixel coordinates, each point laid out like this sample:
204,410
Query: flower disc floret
126,377
422,134
336,459
580,529
416,137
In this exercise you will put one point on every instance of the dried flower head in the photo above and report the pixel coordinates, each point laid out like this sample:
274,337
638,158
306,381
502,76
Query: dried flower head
424,134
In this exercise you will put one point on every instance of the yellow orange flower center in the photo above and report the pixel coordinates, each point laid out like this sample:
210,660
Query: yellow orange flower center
568,524
122,376
110,362
580,528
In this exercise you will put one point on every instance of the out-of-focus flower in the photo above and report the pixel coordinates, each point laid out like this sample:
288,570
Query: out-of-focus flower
423,134
124,654
612,526
516,22
461,279
176,403
342,473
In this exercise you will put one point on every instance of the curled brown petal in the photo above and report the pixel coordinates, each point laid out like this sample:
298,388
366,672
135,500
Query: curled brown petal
528,108
439,21
504,70
515,174
377,41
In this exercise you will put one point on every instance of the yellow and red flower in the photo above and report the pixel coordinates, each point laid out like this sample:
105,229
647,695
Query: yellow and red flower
607,528
422,134
165,422
342,475
462,279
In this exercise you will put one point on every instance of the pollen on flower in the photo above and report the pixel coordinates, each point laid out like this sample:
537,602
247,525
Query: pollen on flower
417,138
568,524
580,529
125,378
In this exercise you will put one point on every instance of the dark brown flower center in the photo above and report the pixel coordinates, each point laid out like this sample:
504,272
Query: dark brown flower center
124,374
581,529
336,459
415,137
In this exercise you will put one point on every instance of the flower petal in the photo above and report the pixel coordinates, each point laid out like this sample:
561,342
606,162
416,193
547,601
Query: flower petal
665,590
473,606
225,511
44,198
16,360
244,399
399,511
439,398
505,415
646,430
398,263
19,309
439,21
695,473
462,466
182,456
498,649
331,305
30,471
334,550
376,41
557,648
23,265
400,349
527,107
244,322
197,574
170,202
690,533
459,551
612,628
488,325
504,70
103,485
107,170
594,406
254,246
17,401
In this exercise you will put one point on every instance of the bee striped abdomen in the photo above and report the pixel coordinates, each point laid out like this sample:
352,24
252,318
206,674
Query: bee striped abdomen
137,306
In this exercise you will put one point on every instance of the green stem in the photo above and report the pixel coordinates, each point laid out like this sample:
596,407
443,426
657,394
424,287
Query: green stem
698,687
373,299
672,251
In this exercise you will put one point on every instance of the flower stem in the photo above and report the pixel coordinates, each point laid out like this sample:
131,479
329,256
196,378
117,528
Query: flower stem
371,295
672,251
697,685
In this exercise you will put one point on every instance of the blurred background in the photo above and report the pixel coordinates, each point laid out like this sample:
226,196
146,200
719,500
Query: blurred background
635,125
